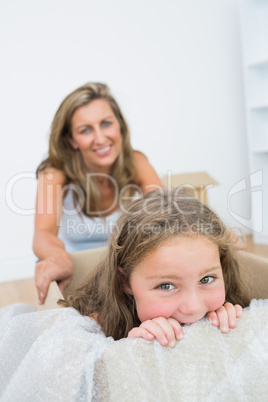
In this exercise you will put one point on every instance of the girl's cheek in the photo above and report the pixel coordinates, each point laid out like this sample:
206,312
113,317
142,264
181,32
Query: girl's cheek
148,311
217,299
151,313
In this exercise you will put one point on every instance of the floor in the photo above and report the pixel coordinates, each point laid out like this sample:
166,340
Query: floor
24,290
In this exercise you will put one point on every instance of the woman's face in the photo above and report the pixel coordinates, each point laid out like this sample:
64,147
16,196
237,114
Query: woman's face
96,132
182,280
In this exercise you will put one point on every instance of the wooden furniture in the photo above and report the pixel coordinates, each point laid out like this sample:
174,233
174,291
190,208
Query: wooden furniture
196,183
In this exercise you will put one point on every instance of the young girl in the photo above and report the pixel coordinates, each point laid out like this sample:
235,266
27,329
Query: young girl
171,262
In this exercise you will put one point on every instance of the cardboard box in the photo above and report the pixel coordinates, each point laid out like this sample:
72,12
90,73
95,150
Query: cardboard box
196,183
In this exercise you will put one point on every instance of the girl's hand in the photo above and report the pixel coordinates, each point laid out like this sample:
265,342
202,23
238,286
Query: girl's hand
165,330
225,316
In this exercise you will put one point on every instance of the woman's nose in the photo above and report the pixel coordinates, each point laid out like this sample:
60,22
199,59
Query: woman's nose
99,137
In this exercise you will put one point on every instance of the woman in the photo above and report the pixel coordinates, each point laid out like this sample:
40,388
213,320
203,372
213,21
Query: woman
90,171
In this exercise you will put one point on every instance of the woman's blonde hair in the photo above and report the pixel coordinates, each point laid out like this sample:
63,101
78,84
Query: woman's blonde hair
62,156
150,222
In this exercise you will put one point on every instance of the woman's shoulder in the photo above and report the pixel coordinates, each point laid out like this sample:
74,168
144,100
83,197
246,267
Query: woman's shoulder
139,156
146,176
52,175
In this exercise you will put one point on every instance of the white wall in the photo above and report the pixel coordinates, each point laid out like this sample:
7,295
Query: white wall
174,66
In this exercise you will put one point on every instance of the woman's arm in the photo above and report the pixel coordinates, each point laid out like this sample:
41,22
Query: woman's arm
146,176
56,263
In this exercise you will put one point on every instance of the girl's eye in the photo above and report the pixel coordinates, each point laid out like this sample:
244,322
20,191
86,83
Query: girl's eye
207,279
106,123
165,286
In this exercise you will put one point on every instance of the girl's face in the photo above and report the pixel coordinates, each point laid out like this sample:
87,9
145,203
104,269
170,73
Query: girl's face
96,132
182,280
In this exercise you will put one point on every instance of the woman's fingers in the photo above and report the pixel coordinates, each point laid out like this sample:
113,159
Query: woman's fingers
50,270
42,280
63,284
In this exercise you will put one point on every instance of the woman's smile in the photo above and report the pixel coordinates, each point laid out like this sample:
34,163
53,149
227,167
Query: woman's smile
96,133
103,151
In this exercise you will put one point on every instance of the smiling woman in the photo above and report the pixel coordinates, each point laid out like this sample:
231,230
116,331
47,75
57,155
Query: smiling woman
90,165
96,132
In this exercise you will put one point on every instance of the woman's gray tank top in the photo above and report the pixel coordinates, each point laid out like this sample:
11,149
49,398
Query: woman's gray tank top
79,232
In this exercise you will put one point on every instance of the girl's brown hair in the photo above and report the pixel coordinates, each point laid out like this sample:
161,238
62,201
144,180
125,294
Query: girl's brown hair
150,222
63,157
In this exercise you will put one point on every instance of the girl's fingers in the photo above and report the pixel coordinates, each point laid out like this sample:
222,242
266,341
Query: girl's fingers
178,331
165,330
223,319
171,328
227,316
238,310
231,313
162,331
151,327
139,332
213,318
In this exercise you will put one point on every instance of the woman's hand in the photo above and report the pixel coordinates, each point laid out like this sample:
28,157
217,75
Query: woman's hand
165,330
225,316
52,269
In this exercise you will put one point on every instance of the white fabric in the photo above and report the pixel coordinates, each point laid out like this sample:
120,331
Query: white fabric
58,355
49,356
205,366
10,311
79,232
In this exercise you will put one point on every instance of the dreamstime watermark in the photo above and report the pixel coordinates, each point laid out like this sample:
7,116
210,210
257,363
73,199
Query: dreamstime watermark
255,222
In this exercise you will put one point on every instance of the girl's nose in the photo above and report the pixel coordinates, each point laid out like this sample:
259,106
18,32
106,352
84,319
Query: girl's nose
191,303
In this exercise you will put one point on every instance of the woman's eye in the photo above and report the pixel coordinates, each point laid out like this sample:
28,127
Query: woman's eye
206,279
165,286
106,123
85,130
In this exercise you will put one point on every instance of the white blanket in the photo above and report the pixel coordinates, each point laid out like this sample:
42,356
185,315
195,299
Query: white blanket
205,366
49,356
58,355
